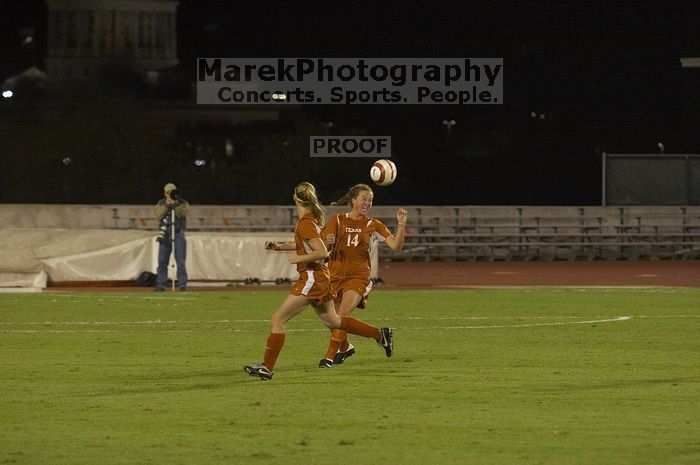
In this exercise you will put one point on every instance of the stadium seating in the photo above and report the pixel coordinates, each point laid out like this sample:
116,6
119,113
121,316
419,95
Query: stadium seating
434,232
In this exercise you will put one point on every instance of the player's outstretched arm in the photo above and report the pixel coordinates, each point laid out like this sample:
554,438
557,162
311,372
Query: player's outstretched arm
276,246
395,242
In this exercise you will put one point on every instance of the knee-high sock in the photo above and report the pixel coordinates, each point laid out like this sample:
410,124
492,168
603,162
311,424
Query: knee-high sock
275,341
337,338
359,327
345,345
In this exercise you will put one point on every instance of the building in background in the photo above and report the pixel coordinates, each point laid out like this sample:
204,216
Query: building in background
104,39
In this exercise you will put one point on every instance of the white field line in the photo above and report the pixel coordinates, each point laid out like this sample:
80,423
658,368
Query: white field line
667,316
555,289
175,322
560,323
418,318
303,330
156,322
82,331
125,298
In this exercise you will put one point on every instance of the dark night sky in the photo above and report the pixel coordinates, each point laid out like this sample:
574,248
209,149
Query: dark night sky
551,44
576,58
592,63
607,74
557,53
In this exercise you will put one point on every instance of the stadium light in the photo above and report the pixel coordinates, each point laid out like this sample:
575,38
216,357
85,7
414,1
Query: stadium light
327,126
448,124
690,62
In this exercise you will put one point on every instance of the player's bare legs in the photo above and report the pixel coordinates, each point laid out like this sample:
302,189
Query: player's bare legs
338,347
291,307
328,315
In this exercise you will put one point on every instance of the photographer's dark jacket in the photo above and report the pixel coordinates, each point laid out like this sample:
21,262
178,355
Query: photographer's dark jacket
162,214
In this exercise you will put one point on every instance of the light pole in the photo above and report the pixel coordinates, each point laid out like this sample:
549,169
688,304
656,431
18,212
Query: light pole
27,35
448,124
327,126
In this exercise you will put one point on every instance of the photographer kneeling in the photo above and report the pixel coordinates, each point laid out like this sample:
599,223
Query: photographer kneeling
163,211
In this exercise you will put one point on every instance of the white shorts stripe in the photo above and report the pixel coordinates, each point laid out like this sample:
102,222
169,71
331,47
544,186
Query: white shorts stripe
367,289
309,282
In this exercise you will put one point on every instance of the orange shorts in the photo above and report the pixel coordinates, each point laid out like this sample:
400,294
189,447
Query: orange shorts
360,285
315,285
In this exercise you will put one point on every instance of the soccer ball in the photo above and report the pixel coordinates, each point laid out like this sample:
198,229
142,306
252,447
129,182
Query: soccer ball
383,172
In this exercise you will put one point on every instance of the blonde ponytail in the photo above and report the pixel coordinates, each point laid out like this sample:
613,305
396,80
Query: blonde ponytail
305,195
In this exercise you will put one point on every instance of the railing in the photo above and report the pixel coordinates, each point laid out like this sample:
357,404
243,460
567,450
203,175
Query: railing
546,246
613,234
449,233
433,232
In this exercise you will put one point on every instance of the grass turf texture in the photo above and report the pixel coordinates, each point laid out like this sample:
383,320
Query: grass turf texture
482,376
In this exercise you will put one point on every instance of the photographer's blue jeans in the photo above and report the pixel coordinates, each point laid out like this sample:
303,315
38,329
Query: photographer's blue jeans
165,248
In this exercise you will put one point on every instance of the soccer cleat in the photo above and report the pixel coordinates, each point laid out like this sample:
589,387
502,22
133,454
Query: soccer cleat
325,363
260,371
341,356
387,341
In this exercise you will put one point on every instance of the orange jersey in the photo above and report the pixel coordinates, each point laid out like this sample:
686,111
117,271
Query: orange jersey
307,229
351,241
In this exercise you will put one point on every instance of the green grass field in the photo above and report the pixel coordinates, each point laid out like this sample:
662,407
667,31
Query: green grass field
546,376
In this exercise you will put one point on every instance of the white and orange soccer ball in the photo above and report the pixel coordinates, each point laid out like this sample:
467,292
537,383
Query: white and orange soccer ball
383,172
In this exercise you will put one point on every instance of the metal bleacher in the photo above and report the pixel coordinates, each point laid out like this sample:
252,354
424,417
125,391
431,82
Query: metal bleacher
503,233
433,232
509,233
547,233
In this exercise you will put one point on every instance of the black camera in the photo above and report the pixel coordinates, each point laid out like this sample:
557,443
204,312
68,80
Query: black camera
162,229
165,222
175,195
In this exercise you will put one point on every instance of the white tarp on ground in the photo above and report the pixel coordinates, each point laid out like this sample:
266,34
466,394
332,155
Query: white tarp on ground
33,257
121,262
29,279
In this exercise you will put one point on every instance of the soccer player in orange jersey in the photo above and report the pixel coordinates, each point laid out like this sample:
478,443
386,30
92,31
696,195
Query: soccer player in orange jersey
350,236
309,253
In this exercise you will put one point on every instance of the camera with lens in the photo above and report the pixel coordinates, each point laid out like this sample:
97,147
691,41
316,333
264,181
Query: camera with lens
175,195
165,222
162,229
